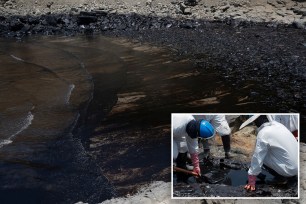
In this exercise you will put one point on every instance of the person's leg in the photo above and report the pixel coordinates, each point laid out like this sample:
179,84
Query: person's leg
175,150
181,158
270,170
277,179
181,163
181,147
206,148
226,141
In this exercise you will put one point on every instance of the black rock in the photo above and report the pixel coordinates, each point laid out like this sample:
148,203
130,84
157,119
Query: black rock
49,4
86,20
66,21
2,18
3,27
26,28
51,20
299,11
86,13
16,25
74,9
38,28
33,20
186,25
299,24
100,12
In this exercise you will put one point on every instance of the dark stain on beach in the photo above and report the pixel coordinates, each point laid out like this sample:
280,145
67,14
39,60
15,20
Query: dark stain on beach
102,115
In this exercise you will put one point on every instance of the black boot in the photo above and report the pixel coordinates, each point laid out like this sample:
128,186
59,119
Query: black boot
277,180
206,147
226,140
206,153
181,163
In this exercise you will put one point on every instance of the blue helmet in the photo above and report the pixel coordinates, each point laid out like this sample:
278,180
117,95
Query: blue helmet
206,130
200,128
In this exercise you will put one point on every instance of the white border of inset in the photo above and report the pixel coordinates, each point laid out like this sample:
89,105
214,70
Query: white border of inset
246,198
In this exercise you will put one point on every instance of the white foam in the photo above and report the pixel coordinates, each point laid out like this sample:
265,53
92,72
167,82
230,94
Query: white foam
5,142
26,123
17,58
71,87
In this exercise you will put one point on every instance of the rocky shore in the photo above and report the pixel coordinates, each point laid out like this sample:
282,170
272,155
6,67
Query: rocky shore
279,11
21,18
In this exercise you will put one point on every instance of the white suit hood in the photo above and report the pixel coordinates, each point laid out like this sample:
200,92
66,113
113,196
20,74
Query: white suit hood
252,119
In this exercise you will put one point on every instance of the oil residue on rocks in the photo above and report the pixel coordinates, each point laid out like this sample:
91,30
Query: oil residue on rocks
88,118
227,179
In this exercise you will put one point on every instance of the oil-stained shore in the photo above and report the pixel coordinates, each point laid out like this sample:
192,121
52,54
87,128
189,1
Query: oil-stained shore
258,69
268,59
132,144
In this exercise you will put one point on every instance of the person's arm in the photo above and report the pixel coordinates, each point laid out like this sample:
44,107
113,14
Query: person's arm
221,125
193,148
259,155
196,163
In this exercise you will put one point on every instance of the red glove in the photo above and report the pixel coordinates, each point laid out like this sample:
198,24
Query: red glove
251,184
196,163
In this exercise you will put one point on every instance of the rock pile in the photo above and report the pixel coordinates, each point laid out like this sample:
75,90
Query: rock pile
20,18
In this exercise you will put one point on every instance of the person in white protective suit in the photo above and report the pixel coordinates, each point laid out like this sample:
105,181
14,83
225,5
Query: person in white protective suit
291,122
276,149
222,128
186,131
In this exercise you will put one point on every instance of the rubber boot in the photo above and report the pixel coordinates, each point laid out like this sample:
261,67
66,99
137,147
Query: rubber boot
277,180
226,140
206,153
181,163
206,148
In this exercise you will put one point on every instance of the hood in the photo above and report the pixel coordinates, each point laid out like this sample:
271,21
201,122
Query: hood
252,119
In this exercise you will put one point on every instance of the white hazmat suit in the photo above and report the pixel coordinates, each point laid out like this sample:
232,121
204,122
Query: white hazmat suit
219,123
277,149
291,122
221,126
181,141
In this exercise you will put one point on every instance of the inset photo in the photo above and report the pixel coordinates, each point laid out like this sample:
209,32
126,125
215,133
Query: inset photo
235,156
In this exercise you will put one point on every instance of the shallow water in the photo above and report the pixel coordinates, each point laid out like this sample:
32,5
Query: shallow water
56,93
45,91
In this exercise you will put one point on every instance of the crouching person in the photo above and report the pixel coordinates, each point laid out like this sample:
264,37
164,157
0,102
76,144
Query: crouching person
276,149
186,131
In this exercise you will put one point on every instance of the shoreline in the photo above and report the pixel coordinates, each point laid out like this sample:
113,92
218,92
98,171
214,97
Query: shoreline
285,11
49,18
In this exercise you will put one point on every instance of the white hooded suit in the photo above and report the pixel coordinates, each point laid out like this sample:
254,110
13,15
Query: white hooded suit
277,149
